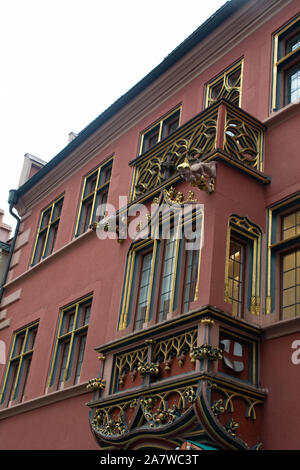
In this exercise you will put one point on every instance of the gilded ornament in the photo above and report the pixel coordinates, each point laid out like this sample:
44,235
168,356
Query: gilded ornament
148,368
206,351
96,384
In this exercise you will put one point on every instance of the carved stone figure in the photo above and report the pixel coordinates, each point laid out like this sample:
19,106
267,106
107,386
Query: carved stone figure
199,174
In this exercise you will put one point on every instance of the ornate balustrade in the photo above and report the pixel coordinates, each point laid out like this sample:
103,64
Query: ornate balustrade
178,375
221,132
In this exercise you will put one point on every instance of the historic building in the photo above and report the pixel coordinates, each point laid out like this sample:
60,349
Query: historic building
152,297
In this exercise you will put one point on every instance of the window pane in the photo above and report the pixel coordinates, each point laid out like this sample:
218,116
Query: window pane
167,278
144,289
81,347
290,285
235,275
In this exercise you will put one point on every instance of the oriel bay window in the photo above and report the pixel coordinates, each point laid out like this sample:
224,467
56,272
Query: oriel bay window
160,130
286,64
161,278
18,368
94,197
47,231
70,345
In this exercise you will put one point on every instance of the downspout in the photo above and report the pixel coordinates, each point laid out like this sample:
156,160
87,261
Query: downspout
12,200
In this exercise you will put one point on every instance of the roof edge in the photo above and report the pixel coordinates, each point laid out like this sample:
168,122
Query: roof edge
219,17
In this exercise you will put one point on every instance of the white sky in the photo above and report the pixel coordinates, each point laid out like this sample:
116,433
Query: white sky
63,62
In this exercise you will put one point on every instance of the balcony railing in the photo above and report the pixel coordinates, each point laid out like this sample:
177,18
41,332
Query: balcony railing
222,131
151,379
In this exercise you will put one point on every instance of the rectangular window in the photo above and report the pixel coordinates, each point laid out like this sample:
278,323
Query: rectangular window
70,344
290,266
286,65
16,377
228,85
243,255
47,231
236,276
94,197
162,272
160,130
191,277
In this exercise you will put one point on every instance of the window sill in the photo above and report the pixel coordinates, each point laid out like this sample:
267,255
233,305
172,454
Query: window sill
282,328
44,400
277,117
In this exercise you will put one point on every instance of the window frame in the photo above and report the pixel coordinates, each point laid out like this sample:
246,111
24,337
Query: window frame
17,359
69,336
127,319
45,231
222,78
249,234
99,190
283,62
159,128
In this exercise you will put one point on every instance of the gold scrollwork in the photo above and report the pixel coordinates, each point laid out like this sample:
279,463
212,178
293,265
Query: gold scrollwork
148,368
175,347
96,384
197,141
205,351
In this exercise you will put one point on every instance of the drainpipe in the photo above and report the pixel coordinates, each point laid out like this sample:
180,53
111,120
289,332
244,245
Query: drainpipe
12,200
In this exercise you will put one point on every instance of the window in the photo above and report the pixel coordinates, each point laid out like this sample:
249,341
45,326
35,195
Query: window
161,276
290,268
160,130
236,276
70,345
47,231
242,266
283,259
94,197
16,377
227,85
286,65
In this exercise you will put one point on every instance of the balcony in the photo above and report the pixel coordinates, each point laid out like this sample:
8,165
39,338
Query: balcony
221,132
194,375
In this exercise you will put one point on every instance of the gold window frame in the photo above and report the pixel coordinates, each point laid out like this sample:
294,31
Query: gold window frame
23,353
97,171
71,334
46,228
222,79
142,244
159,123
242,226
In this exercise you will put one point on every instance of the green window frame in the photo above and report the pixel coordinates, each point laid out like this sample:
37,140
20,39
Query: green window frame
160,130
70,343
94,193
286,65
18,367
227,85
47,231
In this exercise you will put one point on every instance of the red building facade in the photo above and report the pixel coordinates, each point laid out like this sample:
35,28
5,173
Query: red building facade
152,294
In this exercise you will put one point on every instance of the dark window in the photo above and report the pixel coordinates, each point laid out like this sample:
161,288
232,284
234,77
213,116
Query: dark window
47,231
94,197
70,345
16,376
